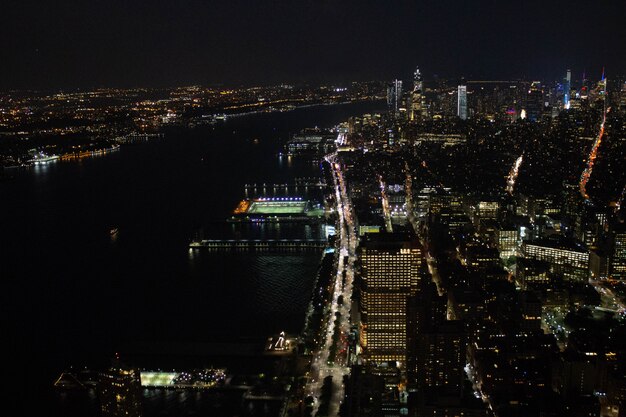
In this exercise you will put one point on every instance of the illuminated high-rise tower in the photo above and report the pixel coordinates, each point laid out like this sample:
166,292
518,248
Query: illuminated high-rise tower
462,102
602,83
418,107
567,87
394,95
391,273
584,88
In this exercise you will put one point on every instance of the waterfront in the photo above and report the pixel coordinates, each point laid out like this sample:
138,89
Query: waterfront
88,294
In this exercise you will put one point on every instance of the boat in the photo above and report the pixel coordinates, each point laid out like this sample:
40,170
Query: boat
43,159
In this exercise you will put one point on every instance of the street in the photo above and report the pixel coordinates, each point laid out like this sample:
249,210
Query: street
322,365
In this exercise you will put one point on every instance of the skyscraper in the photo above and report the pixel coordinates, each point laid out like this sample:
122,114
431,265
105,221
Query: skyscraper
441,352
391,270
602,83
119,391
394,95
417,81
567,87
425,311
534,102
418,106
462,102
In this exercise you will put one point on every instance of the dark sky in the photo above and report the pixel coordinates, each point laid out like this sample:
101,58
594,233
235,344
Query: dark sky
90,43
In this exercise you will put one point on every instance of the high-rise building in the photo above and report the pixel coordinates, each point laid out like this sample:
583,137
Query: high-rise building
534,102
364,393
602,85
417,81
507,240
441,353
617,266
462,102
425,310
567,87
418,105
119,391
394,95
620,93
391,270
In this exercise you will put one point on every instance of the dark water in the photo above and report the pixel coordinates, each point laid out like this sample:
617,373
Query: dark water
72,296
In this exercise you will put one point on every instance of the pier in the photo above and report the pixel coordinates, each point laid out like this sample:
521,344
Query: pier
301,186
260,245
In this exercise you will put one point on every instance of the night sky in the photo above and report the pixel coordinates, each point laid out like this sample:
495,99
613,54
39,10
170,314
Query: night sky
54,44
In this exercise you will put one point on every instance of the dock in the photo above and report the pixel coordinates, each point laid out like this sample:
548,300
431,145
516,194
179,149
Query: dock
260,245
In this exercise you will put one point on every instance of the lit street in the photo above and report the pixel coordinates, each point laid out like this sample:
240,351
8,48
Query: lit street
323,365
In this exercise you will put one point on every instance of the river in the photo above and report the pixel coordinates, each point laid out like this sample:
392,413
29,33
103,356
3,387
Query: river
73,295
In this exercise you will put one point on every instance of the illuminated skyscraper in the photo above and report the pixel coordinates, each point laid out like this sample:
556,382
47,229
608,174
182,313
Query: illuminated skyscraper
417,81
603,82
584,88
391,272
567,87
119,391
462,102
394,95
418,107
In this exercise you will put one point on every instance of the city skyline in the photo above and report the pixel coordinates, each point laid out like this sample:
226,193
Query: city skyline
470,235
298,208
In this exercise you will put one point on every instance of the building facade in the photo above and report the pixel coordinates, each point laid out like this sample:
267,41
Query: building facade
391,271
565,258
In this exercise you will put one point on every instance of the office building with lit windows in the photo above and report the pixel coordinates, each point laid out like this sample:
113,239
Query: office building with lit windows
617,265
391,271
507,241
441,355
566,257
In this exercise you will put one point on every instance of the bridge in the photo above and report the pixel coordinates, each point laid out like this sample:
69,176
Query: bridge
260,245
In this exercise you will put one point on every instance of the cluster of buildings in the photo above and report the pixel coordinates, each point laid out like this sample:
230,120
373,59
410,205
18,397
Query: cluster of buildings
532,100
486,282
460,306
476,298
